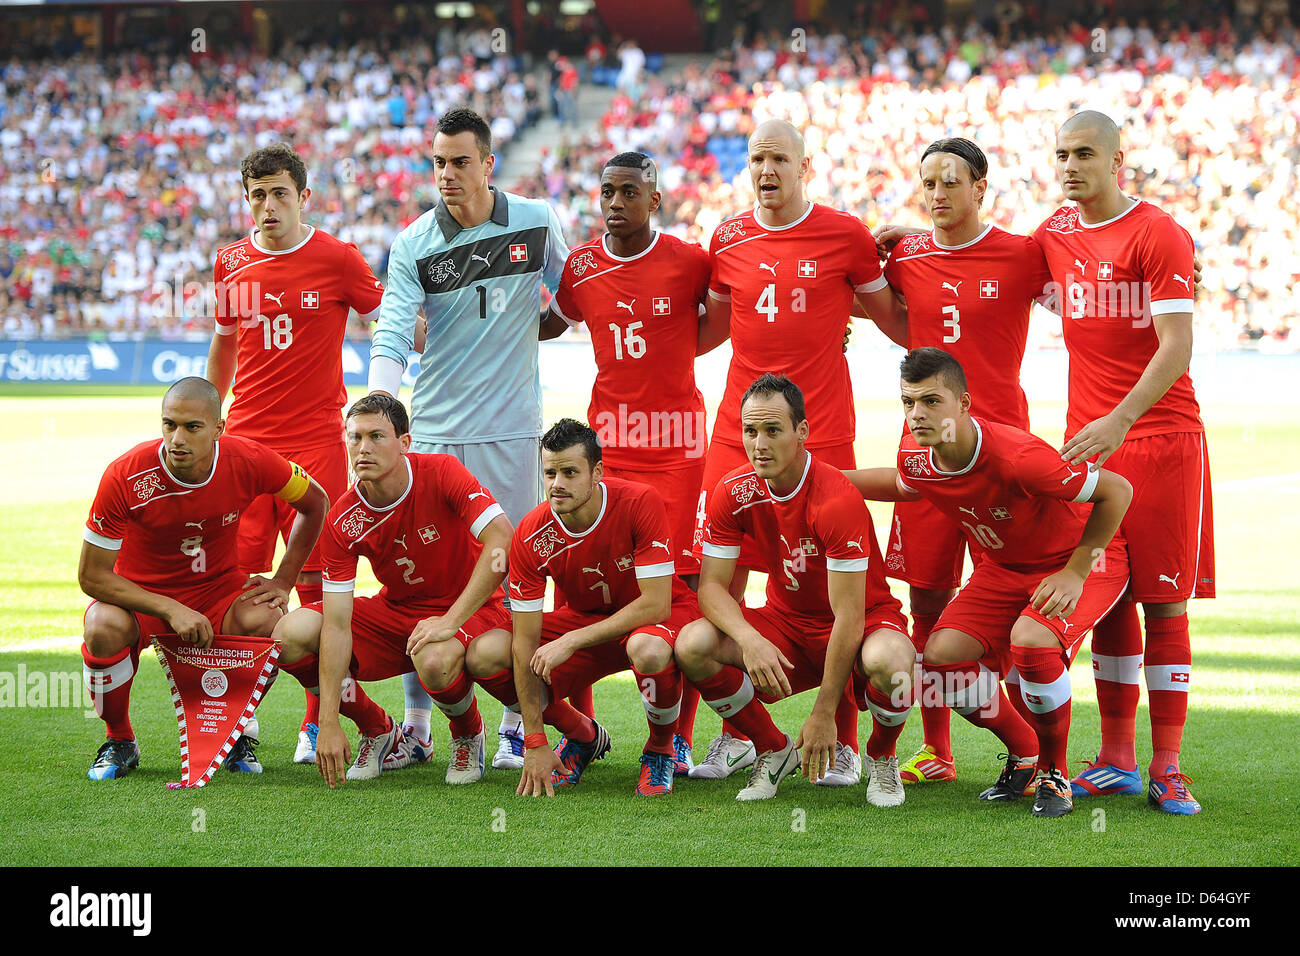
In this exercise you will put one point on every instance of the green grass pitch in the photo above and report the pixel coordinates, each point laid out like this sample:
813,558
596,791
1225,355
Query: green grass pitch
1239,746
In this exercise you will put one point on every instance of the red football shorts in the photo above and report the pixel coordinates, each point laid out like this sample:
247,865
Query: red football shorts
995,597
267,517
212,602
590,664
926,547
806,648
680,489
380,630
723,458
1169,526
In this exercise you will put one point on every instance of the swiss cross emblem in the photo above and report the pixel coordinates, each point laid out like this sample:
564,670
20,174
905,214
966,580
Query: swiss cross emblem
624,562
988,288
1105,270
808,268
1181,677
230,518
1034,699
428,534
807,546
1002,514
518,252
311,300
663,305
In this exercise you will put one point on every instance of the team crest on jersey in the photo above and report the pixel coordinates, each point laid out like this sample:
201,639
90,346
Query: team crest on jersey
1067,220
1002,514
807,546
429,534
354,525
581,263
916,465
442,270
146,486
730,230
745,491
229,518
624,562
913,244
545,542
233,257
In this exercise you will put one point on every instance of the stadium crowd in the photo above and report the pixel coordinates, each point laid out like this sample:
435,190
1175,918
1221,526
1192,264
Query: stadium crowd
119,173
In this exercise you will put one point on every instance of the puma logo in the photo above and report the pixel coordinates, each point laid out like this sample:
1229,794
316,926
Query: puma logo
595,570
660,544
1083,265
477,494
195,524
514,586
973,512
1174,580
99,521
1066,481
628,306
954,288
1185,286
854,544
274,298
771,268
401,541
482,259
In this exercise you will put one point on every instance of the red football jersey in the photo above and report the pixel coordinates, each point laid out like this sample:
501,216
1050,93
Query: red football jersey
643,314
597,570
973,301
172,537
791,291
289,310
422,547
1016,501
822,525
1111,278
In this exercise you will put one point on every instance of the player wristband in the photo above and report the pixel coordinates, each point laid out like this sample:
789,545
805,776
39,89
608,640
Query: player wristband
532,741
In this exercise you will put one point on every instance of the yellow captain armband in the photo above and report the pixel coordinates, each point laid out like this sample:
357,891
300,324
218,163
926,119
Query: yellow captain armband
296,486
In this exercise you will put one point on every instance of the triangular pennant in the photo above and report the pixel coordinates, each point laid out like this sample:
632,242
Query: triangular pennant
215,690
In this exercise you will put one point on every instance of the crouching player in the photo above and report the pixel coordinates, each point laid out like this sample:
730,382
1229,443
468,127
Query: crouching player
159,556
436,539
1047,569
829,615
605,544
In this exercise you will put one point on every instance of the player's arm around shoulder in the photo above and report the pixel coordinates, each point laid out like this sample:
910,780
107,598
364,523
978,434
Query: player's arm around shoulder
333,752
881,484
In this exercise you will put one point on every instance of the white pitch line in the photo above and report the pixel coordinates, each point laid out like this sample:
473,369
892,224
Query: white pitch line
1257,481
45,644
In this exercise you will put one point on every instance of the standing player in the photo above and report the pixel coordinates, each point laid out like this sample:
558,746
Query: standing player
784,278
1123,270
1046,572
641,292
605,543
969,289
159,556
437,541
475,263
284,292
829,614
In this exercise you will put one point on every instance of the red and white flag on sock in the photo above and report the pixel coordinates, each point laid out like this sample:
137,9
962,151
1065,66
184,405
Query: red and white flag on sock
215,690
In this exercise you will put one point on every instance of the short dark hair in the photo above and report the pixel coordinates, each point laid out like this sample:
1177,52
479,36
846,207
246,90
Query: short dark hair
385,406
974,156
462,120
920,364
197,388
269,160
639,161
568,432
769,384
